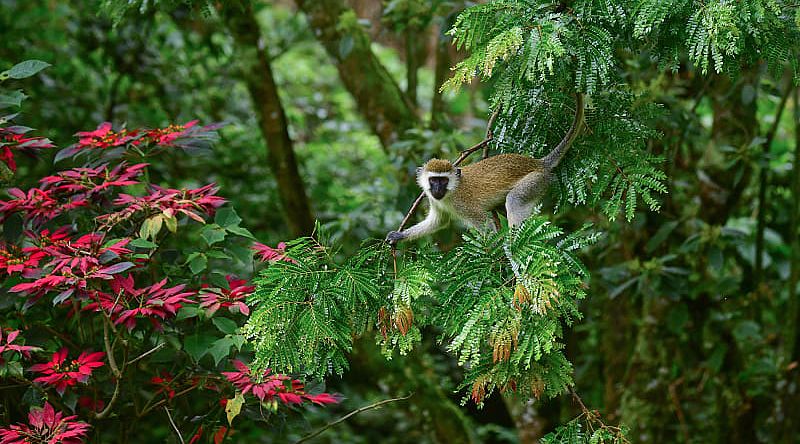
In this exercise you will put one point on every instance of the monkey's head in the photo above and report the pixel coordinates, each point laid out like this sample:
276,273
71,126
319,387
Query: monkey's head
437,177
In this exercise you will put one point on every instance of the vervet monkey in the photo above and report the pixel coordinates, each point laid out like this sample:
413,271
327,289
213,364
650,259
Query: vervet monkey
468,194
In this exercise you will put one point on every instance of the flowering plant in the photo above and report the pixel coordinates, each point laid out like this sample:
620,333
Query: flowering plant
45,425
102,298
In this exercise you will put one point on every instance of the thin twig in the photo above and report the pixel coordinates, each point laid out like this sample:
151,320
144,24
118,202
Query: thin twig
489,132
106,410
673,394
145,354
345,417
110,350
174,427
147,408
593,418
578,399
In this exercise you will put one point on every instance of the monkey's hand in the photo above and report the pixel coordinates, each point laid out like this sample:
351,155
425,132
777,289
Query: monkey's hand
394,237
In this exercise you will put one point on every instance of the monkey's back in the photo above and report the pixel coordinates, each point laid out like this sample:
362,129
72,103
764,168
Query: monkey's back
488,181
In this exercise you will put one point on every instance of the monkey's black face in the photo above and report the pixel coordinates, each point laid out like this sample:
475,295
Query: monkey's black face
438,186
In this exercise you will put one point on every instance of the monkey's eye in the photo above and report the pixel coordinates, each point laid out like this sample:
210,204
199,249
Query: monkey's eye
439,181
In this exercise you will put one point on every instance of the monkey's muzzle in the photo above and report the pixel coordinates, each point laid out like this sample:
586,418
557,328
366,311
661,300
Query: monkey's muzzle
438,187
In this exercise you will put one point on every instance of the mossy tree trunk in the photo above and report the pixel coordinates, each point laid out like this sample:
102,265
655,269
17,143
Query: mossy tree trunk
257,74
379,99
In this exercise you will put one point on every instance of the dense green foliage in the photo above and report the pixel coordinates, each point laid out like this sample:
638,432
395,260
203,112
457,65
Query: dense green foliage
677,322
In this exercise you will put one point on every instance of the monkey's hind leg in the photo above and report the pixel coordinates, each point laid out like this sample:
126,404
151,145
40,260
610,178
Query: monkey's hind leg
524,196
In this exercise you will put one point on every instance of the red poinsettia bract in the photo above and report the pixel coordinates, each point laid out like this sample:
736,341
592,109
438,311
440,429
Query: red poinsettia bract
16,260
165,383
60,373
73,264
128,303
268,254
104,137
212,299
45,425
13,138
83,183
38,205
11,336
167,201
266,387
167,136
45,240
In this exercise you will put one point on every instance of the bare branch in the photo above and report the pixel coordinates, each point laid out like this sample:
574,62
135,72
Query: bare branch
344,418
174,427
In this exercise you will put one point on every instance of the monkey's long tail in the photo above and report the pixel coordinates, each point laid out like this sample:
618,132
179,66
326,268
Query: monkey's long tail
554,157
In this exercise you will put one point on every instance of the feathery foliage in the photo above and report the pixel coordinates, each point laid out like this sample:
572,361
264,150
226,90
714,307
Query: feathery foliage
500,300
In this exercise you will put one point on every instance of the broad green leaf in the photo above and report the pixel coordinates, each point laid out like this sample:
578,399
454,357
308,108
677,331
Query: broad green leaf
142,243
217,254
243,254
187,312
198,345
225,325
171,222
198,264
26,69
151,226
227,217
212,234
12,98
239,231
218,280
220,349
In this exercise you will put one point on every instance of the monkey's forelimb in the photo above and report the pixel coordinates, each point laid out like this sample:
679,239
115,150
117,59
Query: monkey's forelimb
464,155
435,221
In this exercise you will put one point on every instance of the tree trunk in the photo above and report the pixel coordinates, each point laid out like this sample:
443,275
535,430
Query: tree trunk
790,426
257,74
378,97
412,63
734,124
441,71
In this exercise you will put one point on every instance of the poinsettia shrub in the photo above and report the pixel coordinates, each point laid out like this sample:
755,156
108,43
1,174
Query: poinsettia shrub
122,299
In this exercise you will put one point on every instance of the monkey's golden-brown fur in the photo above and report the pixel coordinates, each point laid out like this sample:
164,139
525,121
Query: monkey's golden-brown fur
438,166
485,184
471,192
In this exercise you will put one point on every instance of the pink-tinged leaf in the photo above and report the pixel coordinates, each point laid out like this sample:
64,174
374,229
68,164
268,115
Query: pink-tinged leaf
11,336
63,296
116,268
290,398
324,398
243,308
66,153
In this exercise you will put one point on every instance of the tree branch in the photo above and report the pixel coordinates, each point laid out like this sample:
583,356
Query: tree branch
763,183
345,417
378,98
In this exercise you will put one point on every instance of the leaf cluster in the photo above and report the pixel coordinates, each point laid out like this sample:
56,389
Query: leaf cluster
500,301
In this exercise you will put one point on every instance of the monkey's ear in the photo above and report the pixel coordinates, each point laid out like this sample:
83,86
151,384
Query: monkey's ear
458,172
419,171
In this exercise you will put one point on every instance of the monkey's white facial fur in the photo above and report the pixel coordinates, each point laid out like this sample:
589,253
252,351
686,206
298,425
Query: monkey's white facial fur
437,184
